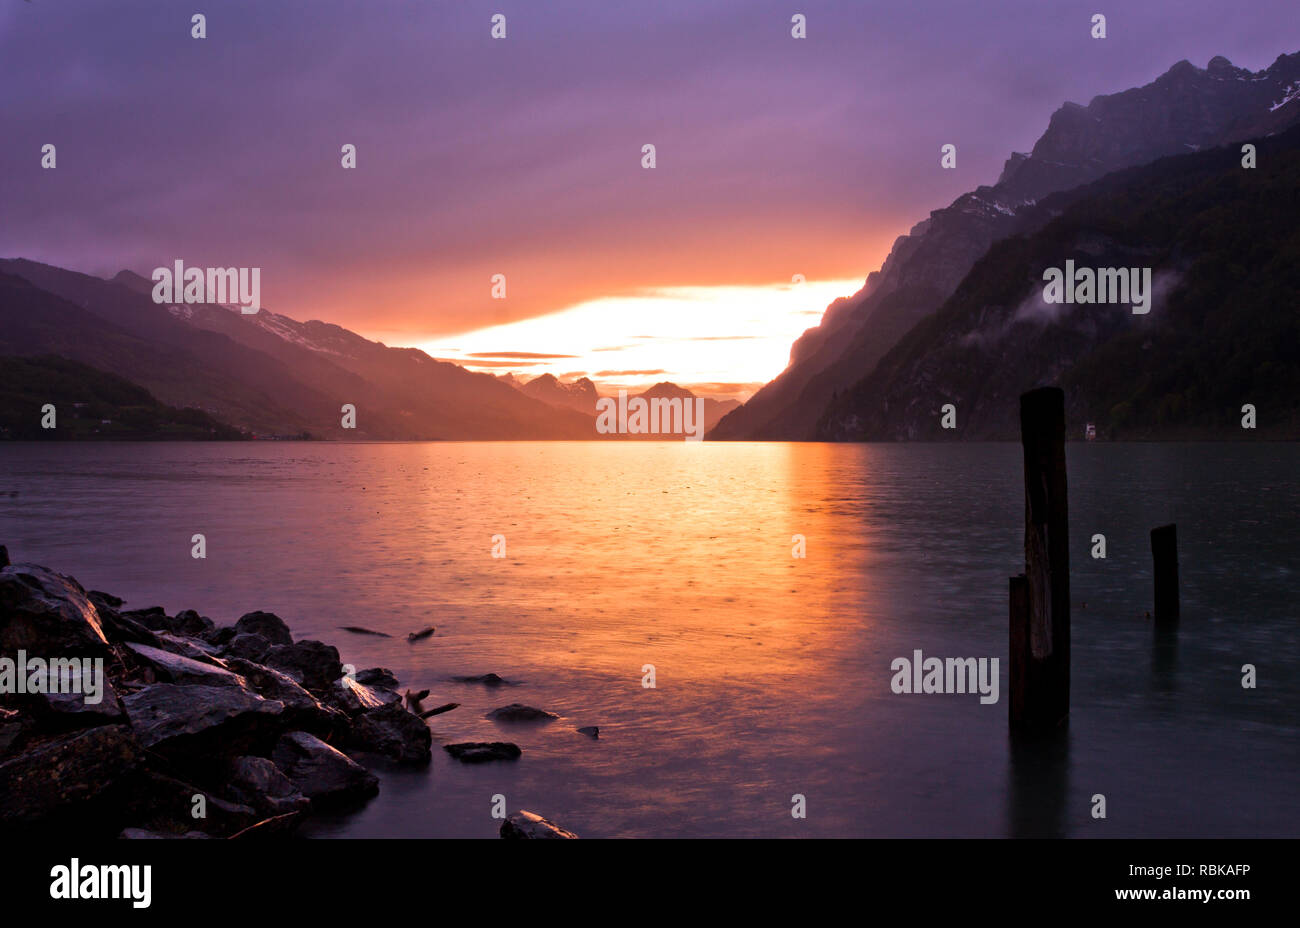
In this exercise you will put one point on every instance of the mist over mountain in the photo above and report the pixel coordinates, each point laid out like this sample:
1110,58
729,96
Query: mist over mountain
1222,330
1187,109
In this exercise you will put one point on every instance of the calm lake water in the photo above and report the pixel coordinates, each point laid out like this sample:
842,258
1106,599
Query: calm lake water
772,672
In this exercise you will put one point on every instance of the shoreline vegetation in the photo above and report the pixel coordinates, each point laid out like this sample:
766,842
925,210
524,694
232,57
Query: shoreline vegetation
196,730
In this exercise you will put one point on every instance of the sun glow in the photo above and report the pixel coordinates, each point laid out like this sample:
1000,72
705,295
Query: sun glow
725,341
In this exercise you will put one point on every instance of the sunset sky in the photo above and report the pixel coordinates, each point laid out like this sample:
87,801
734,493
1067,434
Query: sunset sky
776,157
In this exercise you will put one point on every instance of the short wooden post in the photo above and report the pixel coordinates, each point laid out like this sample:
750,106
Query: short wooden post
1164,551
1046,670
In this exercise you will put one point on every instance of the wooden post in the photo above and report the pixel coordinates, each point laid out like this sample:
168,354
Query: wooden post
1046,675
1018,672
1164,551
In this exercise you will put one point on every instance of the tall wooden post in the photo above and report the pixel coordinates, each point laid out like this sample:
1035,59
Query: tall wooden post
1042,669
1164,551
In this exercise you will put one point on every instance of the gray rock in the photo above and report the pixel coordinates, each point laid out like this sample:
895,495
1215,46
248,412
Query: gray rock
47,613
173,668
393,732
267,624
194,719
189,623
312,663
259,783
517,712
301,708
248,646
196,649
478,752
323,774
525,824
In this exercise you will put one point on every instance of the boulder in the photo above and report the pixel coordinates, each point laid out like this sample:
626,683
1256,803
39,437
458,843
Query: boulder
190,624
47,614
487,679
591,731
312,663
118,627
267,624
193,719
196,649
323,774
525,824
72,710
517,712
186,624
248,646
301,708
478,752
64,772
167,667
258,782
392,732
219,636
353,698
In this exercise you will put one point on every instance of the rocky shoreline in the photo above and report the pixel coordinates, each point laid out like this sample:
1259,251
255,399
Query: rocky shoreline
197,730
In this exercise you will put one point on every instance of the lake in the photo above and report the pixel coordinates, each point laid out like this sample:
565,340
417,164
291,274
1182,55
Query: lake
772,673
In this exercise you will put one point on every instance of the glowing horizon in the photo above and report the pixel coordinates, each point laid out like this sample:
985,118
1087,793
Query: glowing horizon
737,337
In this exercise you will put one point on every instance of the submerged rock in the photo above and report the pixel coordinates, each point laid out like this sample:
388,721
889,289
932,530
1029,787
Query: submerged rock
592,731
323,774
517,712
376,676
525,824
487,679
478,752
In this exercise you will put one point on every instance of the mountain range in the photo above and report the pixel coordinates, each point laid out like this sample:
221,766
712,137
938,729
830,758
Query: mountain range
1184,111
271,375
